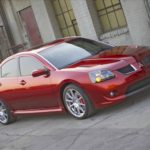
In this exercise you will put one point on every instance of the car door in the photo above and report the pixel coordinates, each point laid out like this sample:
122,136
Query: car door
35,92
9,81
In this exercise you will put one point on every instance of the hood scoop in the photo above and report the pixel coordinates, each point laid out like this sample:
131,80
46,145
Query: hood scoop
95,62
99,61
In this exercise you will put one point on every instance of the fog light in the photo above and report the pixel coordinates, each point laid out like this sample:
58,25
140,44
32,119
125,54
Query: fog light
112,94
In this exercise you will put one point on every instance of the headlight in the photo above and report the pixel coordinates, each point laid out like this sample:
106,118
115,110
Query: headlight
100,75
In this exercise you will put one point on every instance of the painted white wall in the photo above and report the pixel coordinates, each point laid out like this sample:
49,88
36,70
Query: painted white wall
43,20
12,8
137,19
137,32
20,4
84,19
88,21
123,39
1,22
14,26
117,37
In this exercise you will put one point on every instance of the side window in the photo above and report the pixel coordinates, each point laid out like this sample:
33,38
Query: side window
10,69
28,65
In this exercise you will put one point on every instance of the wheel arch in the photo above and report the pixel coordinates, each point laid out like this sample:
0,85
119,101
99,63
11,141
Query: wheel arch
91,107
5,102
65,83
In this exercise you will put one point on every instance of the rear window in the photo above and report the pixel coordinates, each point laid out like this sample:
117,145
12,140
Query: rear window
92,46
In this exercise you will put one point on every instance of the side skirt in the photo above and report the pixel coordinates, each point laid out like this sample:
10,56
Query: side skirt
35,111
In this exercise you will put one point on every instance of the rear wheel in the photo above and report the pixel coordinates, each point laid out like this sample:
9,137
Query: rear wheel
77,102
5,115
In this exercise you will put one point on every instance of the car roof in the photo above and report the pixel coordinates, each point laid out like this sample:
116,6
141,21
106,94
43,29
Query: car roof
49,44
35,50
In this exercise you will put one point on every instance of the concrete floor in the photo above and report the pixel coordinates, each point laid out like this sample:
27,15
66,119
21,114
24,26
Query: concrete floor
122,127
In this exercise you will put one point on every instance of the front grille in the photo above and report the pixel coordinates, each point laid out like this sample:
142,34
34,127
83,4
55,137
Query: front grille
146,60
127,69
138,85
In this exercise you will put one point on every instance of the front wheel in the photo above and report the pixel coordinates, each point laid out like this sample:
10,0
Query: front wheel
77,102
5,115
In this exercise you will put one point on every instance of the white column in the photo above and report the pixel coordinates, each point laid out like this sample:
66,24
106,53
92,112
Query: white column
84,19
43,20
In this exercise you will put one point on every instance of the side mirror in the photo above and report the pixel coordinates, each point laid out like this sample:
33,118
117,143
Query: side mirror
41,72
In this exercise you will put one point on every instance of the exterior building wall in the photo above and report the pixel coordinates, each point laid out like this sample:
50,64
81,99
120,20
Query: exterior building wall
1,22
20,4
43,20
13,24
117,37
123,39
137,19
94,16
5,50
89,25
136,32
84,19
52,19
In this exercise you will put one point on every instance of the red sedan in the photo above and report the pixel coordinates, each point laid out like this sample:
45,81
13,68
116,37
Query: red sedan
74,74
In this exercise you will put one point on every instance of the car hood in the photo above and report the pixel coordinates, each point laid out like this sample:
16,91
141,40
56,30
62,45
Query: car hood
113,59
138,52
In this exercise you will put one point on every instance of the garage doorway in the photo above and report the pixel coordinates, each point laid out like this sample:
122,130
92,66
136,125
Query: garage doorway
30,25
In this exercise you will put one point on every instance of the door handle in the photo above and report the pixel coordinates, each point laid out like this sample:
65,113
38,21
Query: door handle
22,82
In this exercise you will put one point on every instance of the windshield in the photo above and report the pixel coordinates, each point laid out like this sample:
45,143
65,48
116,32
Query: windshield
64,54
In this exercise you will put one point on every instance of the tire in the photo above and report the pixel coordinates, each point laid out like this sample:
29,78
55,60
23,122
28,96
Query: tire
5,115
77,102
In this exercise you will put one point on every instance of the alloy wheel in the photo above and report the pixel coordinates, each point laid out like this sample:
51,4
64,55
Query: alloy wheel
3,114
75,103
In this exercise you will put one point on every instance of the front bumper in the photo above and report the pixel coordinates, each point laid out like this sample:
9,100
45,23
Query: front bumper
122,86
138,86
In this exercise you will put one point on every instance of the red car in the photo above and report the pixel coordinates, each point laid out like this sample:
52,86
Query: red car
74,74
